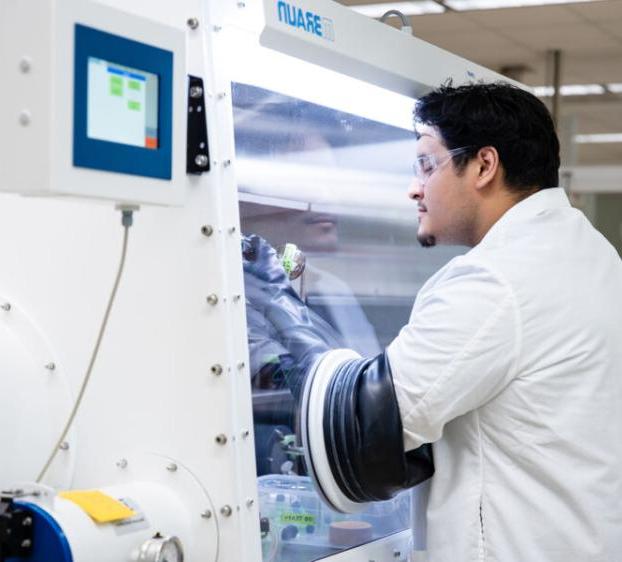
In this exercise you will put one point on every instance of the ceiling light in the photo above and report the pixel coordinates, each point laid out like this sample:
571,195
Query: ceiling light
582,90
573,90
413,8
604,137
463,5
543,91
615,88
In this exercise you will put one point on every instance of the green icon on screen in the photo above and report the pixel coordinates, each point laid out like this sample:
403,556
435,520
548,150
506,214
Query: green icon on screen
116,86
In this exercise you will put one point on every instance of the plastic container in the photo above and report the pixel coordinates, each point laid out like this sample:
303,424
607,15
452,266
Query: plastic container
302,528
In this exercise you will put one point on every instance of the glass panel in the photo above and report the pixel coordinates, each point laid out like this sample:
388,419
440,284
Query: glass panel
334,184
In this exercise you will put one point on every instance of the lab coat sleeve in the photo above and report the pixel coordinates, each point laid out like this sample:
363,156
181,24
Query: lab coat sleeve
458,351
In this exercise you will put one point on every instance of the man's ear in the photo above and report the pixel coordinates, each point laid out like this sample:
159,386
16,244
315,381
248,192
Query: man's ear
488,166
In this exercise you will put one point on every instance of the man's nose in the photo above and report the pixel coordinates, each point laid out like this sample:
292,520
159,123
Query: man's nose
415,190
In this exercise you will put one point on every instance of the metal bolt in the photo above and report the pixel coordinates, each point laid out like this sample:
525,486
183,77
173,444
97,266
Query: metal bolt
196,91
221,439
25,64
221,95
206,514
245,433
192,23
241,365
217,28
24,118
26,543
64,446
51,366
201,160
250,502
27,522
226,163
226,510
212,299
397,553
207,230
241,4
122,463
232,230
171,467
236,298
6,306
217,369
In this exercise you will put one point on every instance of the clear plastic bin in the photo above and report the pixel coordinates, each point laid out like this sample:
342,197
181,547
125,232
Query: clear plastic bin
302,528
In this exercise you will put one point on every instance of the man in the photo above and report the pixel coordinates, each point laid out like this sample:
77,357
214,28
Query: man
511,364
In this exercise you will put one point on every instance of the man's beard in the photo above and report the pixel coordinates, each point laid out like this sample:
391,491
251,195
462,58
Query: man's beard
426,240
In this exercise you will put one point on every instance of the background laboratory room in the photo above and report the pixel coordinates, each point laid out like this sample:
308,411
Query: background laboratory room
299,280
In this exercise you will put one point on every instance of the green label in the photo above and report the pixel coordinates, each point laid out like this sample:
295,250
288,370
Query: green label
133,105
297,518
133,85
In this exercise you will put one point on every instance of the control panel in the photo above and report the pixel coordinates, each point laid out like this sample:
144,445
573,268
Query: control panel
95,104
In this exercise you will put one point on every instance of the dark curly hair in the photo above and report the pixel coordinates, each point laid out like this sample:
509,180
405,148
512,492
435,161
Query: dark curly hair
501,115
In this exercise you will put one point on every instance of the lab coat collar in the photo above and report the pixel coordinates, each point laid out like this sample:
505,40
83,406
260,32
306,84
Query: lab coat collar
538,203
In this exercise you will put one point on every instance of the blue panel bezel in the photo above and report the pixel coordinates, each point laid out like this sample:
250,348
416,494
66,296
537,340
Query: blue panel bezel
111,156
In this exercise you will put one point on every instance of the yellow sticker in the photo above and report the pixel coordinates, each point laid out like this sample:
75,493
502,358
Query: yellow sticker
99,506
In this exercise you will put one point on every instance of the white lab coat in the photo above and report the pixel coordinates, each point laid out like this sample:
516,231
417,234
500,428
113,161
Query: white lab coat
511,365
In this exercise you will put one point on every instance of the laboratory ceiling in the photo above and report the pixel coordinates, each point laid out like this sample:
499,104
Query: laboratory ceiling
516,41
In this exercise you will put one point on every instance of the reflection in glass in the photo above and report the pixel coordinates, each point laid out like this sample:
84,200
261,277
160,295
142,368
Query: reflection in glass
335,185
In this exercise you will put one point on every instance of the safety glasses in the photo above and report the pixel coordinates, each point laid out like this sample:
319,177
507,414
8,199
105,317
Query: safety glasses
427,164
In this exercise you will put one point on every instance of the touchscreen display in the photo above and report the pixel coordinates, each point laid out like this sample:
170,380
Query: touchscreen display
122,104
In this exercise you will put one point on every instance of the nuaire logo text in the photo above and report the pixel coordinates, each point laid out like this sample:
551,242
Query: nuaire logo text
306,20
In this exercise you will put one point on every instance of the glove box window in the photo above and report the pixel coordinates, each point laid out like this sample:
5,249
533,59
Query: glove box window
331,186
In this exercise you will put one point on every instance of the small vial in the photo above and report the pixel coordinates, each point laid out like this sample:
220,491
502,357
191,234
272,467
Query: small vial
289,255
292,259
